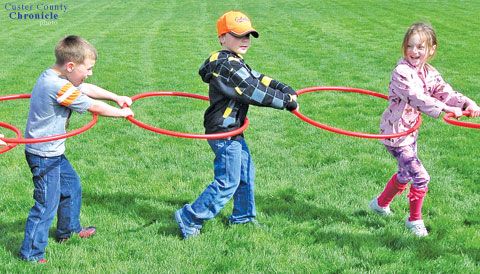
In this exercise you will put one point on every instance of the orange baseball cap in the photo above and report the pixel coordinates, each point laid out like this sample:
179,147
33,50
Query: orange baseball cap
236,23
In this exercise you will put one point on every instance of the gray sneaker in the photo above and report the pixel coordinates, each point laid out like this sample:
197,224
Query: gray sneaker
384,211
187,231
417,227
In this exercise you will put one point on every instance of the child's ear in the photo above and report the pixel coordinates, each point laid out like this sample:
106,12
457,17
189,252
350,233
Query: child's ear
432,51
221,39
70,66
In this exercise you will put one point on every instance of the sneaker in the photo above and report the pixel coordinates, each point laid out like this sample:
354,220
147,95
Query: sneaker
417,227
252,222
86,232
39,261
187,231
384,211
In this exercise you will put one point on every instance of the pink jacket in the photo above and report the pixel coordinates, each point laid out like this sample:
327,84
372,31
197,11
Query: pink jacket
412,92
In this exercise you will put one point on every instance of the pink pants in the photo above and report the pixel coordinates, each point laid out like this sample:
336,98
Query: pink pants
409,166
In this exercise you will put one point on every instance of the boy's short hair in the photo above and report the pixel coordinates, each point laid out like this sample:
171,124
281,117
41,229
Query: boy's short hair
74,49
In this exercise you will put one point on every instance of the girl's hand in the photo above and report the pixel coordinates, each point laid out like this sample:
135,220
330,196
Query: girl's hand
2,143
456,111
474,110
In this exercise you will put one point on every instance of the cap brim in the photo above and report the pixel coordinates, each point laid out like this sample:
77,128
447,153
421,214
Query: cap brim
254,33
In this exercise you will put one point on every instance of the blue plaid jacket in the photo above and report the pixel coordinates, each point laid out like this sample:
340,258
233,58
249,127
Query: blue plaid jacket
233,86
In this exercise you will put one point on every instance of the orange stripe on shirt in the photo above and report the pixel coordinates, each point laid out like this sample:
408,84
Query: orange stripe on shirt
64,89
69,100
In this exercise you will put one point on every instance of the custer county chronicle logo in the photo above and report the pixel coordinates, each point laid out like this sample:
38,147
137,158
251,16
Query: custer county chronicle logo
37,11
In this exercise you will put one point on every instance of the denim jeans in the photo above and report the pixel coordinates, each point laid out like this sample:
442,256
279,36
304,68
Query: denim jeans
57,189
234,175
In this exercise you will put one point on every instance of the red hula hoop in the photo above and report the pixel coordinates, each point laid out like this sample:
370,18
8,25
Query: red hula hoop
14,129
20,140
450,120
346,132
223,135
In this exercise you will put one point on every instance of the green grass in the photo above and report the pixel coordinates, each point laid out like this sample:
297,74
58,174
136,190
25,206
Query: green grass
312,186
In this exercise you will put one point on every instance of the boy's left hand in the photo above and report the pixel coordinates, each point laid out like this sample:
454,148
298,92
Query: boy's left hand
292,105
123,100
474,110
2,143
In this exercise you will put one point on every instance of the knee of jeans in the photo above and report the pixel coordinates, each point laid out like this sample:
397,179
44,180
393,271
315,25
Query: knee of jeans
226,184
39,196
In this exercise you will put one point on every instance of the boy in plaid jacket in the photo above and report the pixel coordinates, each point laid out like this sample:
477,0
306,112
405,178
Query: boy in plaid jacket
233,86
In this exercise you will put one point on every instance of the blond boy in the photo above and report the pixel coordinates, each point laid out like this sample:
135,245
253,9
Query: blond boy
57,189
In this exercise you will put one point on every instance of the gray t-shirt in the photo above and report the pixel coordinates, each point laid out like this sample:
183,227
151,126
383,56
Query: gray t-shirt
52,100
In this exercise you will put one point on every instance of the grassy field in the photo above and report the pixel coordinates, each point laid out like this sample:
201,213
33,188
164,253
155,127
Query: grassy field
312,186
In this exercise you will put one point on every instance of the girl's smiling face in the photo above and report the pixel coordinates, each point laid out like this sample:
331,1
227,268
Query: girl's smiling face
417,52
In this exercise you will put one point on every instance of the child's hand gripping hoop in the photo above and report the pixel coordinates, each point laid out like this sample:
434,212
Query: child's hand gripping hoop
20,140
223,135
449,118
346,132
14,129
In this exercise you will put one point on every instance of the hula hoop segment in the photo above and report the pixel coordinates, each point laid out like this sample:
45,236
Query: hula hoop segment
346,132
223,135
20,140
14,129
450,119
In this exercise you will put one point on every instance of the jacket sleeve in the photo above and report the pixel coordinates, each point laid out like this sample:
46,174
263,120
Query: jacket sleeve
404,86
236,82
445,93
272,83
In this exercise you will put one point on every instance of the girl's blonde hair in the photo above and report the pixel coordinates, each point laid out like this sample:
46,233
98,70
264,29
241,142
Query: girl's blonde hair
427,35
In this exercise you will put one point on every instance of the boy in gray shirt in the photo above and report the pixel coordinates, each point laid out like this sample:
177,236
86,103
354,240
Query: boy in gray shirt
57,189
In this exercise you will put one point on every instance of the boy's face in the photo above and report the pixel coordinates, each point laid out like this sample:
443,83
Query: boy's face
239,45
77,73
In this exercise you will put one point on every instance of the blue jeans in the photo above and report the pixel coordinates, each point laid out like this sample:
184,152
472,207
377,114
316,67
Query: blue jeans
234,173
57,190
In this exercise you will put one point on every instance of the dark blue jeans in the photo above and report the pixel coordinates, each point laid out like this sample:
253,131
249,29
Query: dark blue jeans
57,190
234,173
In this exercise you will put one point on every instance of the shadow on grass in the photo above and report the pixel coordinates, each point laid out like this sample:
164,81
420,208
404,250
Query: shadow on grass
12,236
289,203
316,224
122,204
319,225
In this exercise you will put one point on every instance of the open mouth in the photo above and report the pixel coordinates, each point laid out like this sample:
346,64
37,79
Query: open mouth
414,60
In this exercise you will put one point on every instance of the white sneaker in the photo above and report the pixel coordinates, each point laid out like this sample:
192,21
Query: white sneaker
417,227
384,211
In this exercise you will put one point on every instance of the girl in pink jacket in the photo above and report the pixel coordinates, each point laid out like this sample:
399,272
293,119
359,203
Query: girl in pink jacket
415,87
